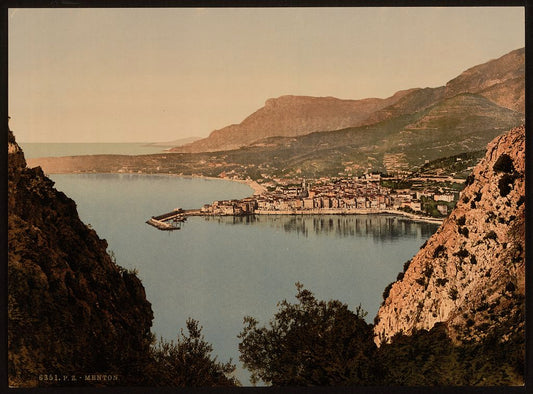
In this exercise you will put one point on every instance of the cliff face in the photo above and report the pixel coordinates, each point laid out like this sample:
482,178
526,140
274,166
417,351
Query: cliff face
471,273
71,309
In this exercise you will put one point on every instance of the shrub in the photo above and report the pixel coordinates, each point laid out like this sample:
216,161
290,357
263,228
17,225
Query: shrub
400,276
428,271
387,291
461,221
441,281
510,287
439,251
504,164
472,204
464,231
505,184
461,253
473,259
308,344
477,196
189,362
452,293
469,179
491,235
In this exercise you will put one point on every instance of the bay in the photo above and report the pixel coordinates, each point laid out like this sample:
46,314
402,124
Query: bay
218,270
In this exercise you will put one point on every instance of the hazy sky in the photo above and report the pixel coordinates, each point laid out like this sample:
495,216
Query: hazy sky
121,75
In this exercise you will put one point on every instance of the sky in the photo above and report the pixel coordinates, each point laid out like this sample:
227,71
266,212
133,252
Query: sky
160,74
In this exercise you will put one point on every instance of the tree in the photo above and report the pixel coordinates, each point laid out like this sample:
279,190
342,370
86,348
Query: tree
309,343
188,362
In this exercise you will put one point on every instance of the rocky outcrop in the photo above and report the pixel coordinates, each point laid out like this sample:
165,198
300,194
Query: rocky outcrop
470,274
71,309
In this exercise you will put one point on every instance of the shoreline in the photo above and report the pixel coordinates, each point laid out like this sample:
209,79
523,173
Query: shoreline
258,190
339,212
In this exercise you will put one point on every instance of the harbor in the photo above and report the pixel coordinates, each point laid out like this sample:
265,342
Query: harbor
168,221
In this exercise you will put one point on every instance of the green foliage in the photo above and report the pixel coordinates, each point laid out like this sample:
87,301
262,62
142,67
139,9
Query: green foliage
188,363
309,343
429,358
504,164
319,343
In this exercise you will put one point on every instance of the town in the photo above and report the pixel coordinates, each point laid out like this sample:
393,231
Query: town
363,194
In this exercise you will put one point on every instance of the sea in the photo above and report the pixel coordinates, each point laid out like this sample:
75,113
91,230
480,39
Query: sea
219,270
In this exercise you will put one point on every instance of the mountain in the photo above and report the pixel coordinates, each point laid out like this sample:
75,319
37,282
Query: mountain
290,116
174,143
463,123
470,275
71,309
501,81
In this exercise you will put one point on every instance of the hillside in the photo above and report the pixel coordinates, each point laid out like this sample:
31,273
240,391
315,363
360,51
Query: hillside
71,309
470,274
463,123
290,116
500,81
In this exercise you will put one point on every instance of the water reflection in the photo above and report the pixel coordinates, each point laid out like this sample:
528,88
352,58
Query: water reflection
380,227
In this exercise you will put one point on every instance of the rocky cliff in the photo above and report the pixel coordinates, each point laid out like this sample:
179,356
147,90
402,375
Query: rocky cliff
470,274
71,310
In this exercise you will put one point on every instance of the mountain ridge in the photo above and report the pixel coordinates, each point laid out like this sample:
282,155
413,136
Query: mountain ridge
500,80
290,116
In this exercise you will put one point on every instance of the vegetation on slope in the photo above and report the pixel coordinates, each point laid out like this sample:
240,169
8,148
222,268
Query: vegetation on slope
72,312
315,342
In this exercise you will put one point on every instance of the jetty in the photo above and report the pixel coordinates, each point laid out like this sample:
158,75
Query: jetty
168,221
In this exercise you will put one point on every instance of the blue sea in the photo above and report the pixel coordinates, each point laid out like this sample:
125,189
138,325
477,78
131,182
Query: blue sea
219,270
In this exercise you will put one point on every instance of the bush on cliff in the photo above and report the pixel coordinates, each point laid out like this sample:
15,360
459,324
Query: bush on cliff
317,343
309,343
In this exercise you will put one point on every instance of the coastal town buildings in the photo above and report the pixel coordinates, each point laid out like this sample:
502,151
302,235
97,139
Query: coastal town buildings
331,195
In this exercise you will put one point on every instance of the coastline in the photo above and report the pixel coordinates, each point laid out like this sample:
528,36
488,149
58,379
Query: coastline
332,211
258,190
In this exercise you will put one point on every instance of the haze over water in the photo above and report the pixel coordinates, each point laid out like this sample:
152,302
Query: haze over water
218,270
